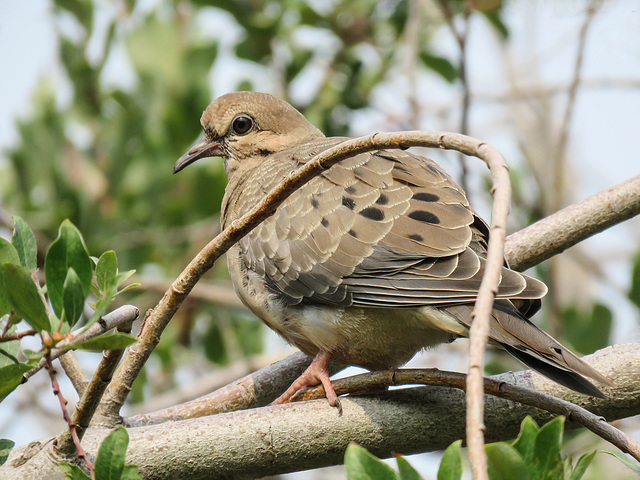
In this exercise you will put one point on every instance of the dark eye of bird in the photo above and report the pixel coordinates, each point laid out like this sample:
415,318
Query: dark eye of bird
242,124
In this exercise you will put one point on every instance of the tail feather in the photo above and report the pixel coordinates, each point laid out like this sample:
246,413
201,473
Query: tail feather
569,379
535,348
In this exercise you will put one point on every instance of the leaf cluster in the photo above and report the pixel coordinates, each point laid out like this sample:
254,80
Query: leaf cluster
535,455
53,309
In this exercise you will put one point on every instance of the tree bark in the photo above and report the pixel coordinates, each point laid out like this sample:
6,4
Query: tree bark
279,439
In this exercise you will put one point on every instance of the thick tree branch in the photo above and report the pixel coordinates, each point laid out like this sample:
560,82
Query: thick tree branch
297,436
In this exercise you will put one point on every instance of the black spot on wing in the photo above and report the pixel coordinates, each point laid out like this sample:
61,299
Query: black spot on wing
424,216
373,213
426,197
350,190
353,233
314,202
382,199
416,237
348,202
324,222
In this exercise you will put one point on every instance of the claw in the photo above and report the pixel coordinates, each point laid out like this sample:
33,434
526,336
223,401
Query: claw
316,373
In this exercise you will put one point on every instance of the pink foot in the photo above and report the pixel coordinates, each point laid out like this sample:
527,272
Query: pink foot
317,372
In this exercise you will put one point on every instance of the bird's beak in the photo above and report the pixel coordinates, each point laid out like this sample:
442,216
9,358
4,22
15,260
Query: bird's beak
204,148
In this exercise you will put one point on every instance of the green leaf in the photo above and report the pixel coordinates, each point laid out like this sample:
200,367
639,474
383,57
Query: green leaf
111,455
497,23
505,463
25,243
122,277
67,251
405,470
81,9
72,298
588,330
634,290
625,459
23,296
581,465
361,465
107,272
112,341
526,441
5,449
11,377
130,472
8,350
451,463
8,254
33,356
547,459
440,65
73,472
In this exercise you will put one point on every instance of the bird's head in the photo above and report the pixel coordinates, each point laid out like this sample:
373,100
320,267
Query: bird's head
244,125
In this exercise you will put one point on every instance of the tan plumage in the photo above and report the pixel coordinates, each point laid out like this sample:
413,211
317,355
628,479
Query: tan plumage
375,259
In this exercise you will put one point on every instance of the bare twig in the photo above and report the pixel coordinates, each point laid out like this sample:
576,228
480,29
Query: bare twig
461,38
73,371
16,336
158,318
118,317
412,48
90,401
65,413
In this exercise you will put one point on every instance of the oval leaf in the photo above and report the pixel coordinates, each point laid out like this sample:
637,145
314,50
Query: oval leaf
11,377
361,465
67,251
111,455
5,449
25,243
72,297
73,472
23,296
112,341
451,463
8,253
505,463
405,470
547,458
107,272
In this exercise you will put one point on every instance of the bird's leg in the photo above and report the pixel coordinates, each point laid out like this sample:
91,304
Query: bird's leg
317,372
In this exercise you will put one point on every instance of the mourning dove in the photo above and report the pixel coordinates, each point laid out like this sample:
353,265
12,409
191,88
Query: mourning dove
374,260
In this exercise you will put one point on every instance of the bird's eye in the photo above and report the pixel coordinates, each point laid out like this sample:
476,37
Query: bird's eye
242,124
